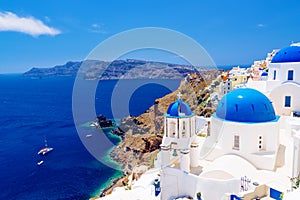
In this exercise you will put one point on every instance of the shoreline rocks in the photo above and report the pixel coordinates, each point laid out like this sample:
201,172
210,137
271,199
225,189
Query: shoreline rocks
142,135
101,122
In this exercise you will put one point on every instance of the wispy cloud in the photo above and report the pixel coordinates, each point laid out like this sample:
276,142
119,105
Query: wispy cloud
261,25
96,25
47,19
97,28
28,25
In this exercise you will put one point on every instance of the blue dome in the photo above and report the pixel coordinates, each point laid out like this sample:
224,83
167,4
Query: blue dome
245,105
179,109
264,74
288,54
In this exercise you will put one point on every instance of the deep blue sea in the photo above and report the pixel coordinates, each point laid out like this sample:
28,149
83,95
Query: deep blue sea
34,109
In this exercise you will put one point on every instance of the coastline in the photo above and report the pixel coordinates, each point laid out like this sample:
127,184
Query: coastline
146,145
107,160
115,183
108,186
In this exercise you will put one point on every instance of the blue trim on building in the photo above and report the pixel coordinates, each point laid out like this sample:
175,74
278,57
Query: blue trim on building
224,120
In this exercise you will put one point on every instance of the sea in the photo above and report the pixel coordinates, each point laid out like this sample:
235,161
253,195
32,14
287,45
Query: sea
33,110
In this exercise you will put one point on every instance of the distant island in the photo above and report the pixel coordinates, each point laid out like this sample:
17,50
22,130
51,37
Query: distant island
118,69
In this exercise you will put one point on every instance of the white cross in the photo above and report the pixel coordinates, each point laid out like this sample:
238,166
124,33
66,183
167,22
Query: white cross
179,95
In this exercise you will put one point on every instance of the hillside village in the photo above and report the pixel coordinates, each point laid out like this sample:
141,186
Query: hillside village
238,142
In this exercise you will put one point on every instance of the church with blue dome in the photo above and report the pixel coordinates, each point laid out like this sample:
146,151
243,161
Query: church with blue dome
282,82
181,127
254,132
245,116
244,131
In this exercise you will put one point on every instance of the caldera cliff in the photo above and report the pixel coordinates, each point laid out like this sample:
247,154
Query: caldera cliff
142,135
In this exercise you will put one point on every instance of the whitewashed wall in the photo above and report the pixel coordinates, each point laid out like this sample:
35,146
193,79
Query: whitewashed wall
224,131
278,94
176,183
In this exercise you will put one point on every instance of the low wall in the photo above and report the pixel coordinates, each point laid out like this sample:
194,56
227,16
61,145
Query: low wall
176,183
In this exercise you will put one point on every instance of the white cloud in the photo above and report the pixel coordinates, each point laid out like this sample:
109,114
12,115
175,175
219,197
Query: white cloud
261,25
97,28
96,25
29,25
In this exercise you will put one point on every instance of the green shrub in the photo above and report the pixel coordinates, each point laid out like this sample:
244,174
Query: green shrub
198,194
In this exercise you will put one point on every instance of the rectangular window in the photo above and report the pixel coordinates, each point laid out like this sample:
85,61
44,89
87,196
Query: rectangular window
287,102
274,76
290,75
172,127
236,142
183,129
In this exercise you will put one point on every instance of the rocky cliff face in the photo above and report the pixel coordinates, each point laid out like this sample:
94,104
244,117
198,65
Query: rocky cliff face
69,69
143,134
118,69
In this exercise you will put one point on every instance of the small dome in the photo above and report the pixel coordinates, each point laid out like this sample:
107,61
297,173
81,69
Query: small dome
245,105
288,54
179,109
264,74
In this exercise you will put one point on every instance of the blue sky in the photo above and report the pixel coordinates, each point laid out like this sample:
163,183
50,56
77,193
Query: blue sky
35,33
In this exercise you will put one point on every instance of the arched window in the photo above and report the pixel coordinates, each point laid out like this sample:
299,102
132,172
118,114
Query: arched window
183,129
172,129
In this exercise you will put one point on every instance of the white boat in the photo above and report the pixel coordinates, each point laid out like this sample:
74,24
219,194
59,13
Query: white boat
40,163
94,124
45,150
88,135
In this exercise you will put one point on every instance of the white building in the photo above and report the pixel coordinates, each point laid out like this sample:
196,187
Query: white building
282,85
245,115
181,128
251,147
237,78
246,143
